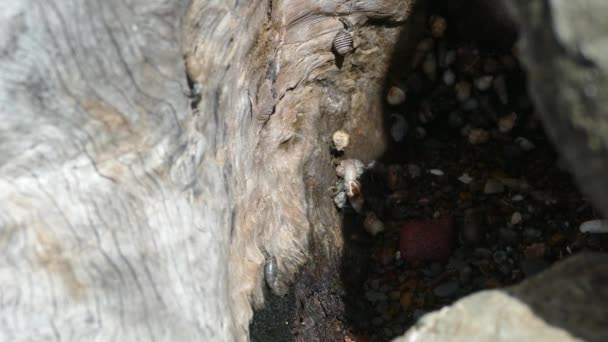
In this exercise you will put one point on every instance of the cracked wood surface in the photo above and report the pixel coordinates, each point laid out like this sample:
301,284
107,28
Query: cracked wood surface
107,219
126,215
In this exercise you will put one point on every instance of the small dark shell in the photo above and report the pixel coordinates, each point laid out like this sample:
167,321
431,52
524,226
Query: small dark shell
270,271
343,43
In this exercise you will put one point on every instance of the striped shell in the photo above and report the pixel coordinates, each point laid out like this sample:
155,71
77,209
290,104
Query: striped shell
343,43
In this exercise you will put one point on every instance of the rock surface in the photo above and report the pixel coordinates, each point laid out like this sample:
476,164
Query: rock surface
565,303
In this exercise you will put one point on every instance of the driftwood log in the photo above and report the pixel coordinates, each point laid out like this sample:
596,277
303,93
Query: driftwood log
154,154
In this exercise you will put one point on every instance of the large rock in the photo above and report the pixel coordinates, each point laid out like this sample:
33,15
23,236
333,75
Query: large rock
564,48
565,303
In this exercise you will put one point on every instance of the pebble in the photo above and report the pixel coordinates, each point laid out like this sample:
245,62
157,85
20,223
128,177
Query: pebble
499,257
507,122
399,128
423,47
532,233
447,289
420,133
516,218
414,170
449,77
372,224
500,87
594,227
450,58
465,178
525,144
484,83
463,90
492,187
478,136
436,172
395,96
517,198
438,26
429,66
470,104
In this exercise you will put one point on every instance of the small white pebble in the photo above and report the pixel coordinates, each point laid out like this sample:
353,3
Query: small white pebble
436,172
517,198
594,227
399,128
395,96
465,178
516,218
448,77
525,144
484,83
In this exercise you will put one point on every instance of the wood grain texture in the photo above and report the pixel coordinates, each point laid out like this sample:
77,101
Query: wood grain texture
270,78
127,215
107,222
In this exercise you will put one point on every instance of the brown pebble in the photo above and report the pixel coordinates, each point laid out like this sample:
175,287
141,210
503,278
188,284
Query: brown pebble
478,136
438,26
493,187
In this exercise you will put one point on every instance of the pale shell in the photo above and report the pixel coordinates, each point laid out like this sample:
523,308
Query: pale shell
270,271
343,43
340,200
340,139
372,224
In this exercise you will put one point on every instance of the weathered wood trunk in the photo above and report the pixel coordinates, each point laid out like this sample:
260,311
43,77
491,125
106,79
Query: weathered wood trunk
133,212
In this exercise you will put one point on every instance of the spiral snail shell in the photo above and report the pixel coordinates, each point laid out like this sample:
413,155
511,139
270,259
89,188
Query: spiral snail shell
343,41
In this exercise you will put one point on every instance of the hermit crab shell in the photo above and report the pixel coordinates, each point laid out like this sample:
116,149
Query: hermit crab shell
343,43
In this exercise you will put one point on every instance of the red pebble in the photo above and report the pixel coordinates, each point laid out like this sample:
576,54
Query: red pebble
429,240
